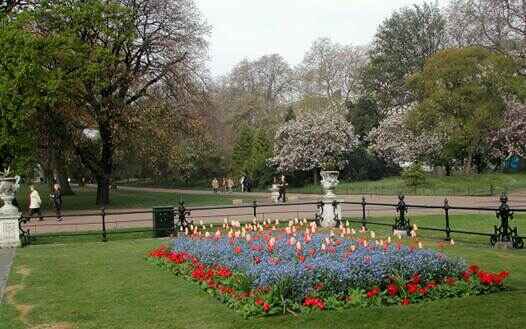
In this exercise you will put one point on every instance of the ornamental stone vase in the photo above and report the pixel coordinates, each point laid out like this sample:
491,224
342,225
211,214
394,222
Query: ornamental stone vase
7,194
331,210
329,182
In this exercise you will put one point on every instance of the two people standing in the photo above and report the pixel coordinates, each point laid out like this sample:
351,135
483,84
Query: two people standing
226,184
35,202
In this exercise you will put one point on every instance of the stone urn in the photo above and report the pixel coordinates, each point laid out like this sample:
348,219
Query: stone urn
8,187
329,181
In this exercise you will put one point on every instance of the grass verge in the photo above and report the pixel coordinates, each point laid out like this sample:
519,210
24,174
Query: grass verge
110,285
482,185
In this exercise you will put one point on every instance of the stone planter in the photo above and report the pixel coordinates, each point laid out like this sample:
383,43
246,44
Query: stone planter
274,193
329,182
7,194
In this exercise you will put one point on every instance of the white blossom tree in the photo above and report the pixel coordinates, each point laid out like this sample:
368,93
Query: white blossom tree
394,141
510,139
315,140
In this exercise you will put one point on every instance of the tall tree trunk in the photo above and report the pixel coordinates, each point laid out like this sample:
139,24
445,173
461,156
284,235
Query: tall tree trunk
104,181
59,170
468,164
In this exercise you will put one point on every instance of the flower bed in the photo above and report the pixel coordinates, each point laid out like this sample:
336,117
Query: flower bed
262,272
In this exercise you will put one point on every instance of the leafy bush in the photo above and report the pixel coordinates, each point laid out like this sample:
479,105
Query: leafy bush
414,175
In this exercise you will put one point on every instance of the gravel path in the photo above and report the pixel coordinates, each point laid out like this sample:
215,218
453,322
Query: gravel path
6,260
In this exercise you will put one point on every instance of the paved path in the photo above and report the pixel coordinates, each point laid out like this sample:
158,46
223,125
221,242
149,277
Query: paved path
6,260
143,217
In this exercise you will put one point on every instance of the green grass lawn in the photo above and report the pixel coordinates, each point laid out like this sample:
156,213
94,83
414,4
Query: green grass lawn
458,221
85,200
110,285
435,185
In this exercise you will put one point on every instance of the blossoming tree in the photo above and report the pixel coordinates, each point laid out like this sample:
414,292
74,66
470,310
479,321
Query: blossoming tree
510,138
313,141
393,140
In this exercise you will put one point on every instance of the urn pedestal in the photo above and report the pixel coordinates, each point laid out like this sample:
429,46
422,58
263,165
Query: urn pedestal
331,214
274,193
9,215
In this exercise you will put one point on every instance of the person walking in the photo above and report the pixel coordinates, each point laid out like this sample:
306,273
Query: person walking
34,203
57,201
230,183
248,184
282,189
242,183
223,184
215,184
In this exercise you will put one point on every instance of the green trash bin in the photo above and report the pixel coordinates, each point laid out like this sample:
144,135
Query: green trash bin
163,221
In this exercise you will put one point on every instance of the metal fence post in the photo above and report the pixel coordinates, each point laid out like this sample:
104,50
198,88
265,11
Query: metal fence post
401,221
364,218
103,214
448,228
254,206
504,233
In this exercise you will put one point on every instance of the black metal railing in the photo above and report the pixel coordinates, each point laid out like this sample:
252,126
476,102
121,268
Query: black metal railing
183,217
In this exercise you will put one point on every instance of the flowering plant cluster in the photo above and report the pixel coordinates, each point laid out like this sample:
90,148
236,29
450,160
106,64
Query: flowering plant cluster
267,271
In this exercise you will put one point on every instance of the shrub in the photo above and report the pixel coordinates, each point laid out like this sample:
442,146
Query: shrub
414,175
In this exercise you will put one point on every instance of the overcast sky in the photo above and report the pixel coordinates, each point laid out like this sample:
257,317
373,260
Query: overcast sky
252,28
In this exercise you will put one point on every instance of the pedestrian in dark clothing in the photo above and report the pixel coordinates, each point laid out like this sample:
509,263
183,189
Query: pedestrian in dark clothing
57,201
248,184
282,189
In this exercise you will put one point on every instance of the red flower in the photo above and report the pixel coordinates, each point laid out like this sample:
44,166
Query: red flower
392,289
266,307
422,291
314,302
259,301
431,285
498,278
224,272
485,278
237,250
450,281
159,252
373,292
406,301
466,275
415,278
473,269
257,259
412,288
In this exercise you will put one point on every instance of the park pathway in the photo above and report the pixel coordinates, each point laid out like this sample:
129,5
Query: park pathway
141,218
6,260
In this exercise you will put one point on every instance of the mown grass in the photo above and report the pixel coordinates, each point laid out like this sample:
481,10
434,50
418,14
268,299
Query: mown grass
85,199
481,223
483,184
109,285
